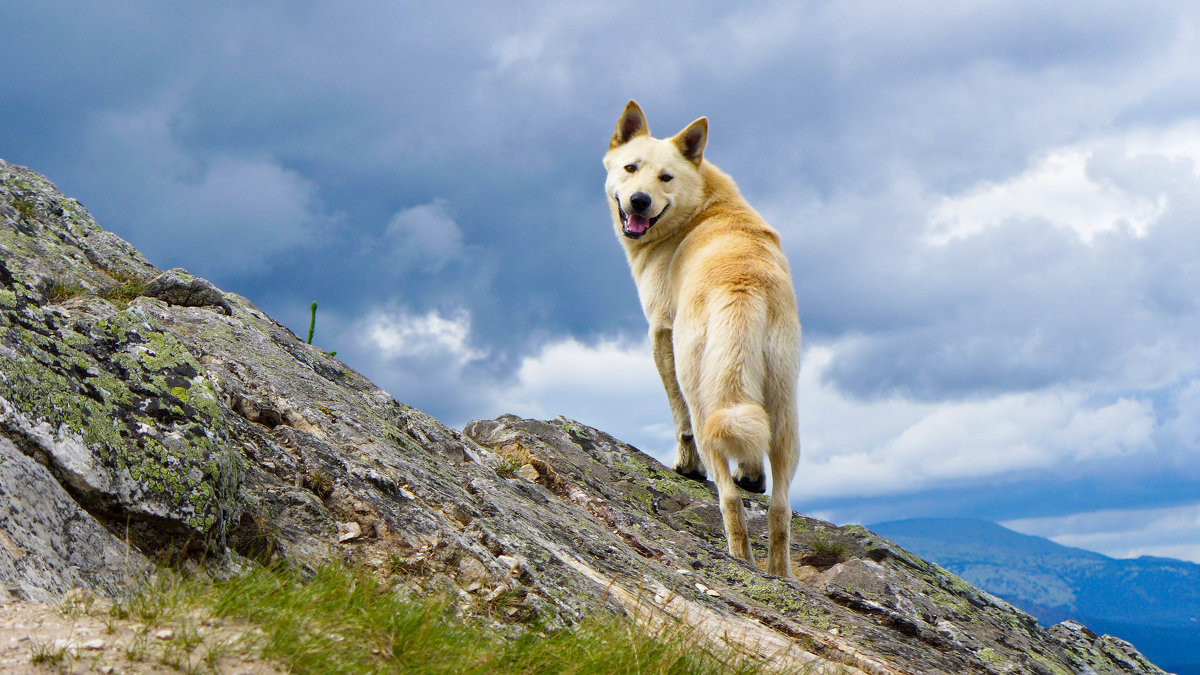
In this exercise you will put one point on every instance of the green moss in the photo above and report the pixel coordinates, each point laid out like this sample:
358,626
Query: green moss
1051,665
774,593
140,402
989,655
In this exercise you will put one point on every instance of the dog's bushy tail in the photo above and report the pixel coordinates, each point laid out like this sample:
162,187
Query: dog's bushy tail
739,432
734,370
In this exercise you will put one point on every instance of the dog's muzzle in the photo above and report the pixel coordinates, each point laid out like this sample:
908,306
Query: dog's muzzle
634,225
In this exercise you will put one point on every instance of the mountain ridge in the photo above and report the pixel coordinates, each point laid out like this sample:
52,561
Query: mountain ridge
1152,601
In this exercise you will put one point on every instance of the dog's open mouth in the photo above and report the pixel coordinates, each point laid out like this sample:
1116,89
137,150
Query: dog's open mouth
633,225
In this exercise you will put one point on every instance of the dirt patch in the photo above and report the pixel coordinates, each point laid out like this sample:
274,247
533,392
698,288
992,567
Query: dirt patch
81,636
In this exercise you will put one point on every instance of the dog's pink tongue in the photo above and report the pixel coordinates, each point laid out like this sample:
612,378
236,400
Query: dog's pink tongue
637,224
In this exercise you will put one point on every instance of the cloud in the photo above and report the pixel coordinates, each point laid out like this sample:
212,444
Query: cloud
894,446
1085,188
1013,293
213,212
425,235
609,384
428,359
1170,532
1057,191
398,335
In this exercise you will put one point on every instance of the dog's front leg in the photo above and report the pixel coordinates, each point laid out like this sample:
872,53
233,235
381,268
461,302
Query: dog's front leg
687,460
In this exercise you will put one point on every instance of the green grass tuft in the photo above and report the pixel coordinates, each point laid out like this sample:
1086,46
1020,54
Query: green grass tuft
346,620
128,289
25,207
61,291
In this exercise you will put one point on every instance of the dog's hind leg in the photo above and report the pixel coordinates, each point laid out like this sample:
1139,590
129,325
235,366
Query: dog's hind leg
738,432
784,449
731,506
784,454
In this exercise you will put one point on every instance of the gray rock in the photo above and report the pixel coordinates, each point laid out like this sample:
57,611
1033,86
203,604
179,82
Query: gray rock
177,287
48,544
221,435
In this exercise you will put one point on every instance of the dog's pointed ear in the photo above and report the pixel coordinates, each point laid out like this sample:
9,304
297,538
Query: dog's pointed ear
691,140
631,125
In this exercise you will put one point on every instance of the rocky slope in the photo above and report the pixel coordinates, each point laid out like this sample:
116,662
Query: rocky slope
145,414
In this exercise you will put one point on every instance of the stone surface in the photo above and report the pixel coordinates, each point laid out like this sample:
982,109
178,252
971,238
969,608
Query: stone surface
48,544
187,422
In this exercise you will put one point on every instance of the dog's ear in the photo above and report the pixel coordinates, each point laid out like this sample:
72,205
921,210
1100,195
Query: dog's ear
631,125
691,140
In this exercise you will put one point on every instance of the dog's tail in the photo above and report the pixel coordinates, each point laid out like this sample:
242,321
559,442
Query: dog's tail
739,432
734,364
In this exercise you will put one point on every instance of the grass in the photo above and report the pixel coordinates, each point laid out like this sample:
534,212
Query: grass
61,291
25,207
345,620
128,289
506,467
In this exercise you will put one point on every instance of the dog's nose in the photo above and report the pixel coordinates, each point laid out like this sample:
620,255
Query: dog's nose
640,201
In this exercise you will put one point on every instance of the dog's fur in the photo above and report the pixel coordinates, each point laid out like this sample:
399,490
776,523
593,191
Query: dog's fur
716,289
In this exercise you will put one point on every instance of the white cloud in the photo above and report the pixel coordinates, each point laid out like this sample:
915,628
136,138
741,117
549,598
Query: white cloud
425,234
856,448
1063,189
397,334
1171,532
611,385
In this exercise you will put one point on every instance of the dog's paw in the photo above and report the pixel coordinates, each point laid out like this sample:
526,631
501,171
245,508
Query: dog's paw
756,484
696,474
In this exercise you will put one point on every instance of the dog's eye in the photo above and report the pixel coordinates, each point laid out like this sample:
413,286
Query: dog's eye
631,168
665,177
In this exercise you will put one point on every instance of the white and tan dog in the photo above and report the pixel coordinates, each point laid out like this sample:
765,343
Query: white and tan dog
716,289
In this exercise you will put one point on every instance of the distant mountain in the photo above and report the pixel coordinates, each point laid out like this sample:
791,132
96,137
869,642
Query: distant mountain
1152,602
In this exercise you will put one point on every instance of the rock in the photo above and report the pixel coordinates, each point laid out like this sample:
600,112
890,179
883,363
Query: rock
135,419
177,287
349,531
48,544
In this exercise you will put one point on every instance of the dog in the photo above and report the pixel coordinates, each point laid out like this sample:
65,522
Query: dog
717,292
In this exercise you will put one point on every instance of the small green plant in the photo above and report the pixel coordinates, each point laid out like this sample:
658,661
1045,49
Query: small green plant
46,654
61,291
312,325
76,604
136,650
128,288
506,466
25,207
320,483
827,546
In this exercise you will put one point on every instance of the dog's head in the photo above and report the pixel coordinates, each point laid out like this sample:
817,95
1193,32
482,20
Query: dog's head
654,184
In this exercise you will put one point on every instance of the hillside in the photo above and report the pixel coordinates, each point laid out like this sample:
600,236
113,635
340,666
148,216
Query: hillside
147,415
1153,602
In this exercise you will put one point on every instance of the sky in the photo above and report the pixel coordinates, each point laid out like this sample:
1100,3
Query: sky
991,211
